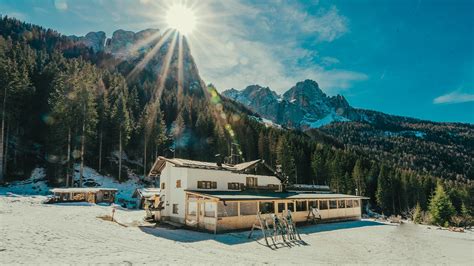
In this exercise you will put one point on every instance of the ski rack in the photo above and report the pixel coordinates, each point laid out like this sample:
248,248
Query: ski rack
280,230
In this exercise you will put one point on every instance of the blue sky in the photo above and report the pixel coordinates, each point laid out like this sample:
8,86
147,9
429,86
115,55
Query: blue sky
411,58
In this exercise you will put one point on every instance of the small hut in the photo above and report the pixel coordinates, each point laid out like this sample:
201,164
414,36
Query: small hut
145,196
91,195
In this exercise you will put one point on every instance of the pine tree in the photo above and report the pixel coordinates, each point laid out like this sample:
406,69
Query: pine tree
318,166
418,214
285,159
358,176
384,190
441,209
123,126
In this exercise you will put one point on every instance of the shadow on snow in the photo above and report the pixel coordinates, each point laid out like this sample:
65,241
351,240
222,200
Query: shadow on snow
241,237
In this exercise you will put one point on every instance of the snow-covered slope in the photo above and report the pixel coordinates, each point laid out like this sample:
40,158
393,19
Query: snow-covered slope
37,184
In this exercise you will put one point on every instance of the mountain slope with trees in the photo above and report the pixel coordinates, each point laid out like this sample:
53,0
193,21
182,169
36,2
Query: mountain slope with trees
65,103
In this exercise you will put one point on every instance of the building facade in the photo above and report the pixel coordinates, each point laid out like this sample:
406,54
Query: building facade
222,197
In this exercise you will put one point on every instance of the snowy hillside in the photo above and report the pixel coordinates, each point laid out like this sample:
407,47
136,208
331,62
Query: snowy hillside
37,184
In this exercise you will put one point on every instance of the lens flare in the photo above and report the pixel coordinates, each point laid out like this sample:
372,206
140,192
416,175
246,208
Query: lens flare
181,18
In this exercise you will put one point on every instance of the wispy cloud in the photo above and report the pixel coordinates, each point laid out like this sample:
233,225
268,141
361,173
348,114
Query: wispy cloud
240,42
265,46
454,97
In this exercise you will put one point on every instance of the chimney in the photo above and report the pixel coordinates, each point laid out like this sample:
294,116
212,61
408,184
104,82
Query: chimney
218,159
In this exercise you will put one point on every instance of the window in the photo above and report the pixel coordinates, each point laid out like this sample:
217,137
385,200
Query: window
281,207
301,206
106,195
192,208
175,208
313,204
207,184
234,186
267,207
356,203
162,185
227,209
178,183
333,204
248,208
341,204
210,209
252,182
291,206
349,204
323,204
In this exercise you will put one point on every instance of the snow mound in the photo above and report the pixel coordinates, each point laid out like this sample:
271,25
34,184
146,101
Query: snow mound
36,184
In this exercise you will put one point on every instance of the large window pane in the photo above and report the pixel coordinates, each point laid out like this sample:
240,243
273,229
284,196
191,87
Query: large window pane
192,208
313,204
349,204
341,204
281,207
333,204
323,204
291,206
248,208
210,209
229,209
301,206
267,207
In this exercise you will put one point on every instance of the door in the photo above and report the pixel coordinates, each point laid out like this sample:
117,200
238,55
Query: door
201,215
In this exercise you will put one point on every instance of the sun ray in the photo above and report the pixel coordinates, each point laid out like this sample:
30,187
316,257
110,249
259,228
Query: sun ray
180,67
166,65
141,43
138,67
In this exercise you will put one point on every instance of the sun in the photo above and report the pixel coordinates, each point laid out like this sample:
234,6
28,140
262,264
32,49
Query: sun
181,18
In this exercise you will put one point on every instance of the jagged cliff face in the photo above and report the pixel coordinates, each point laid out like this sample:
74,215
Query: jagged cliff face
304,105
129,50
121,42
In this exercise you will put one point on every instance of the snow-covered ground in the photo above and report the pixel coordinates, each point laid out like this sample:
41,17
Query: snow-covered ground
34,233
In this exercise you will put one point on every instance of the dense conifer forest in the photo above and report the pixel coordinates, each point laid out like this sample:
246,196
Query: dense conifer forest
64,104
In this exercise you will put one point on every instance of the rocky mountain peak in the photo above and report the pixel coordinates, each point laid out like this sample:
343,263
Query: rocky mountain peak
94,40
259,92
307,90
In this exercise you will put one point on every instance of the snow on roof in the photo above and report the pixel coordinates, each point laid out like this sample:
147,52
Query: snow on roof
200,164
146,192
81,189
258,195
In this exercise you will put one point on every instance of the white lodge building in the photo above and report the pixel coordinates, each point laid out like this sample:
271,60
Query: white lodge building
222,197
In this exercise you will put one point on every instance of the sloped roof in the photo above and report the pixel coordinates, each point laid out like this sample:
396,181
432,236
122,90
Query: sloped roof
160,162
268,195
81,189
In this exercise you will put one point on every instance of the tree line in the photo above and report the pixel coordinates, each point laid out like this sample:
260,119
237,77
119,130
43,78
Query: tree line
66,107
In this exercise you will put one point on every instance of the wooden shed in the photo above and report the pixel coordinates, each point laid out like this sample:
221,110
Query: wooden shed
145,196
91,195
